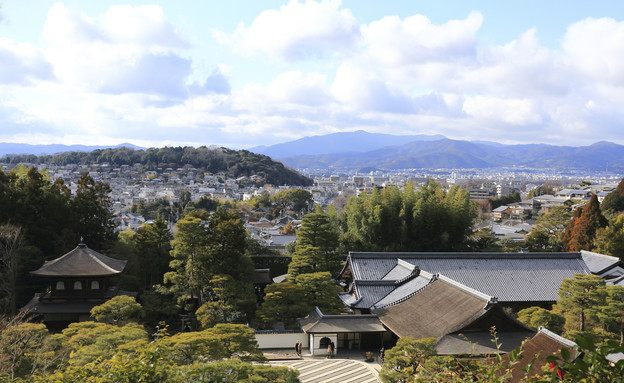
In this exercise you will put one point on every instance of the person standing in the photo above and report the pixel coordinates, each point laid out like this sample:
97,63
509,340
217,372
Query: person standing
300,349
297,349
329,351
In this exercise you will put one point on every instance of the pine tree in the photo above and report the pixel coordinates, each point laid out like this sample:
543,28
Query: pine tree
578,296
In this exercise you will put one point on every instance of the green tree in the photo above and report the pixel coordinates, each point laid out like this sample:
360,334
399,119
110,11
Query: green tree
402,362
548,231
203,248
93,217
581,231
610,240
11,241
577,297
321,291
283,302
427,219
229,302
614,201
295,200
535,317
118,310
317,242
611,314
153,244
22,349
88,341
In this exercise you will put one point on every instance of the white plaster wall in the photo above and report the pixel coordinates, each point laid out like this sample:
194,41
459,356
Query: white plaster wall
316,349
266,341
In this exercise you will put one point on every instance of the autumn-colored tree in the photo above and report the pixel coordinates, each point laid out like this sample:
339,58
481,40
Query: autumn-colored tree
581,231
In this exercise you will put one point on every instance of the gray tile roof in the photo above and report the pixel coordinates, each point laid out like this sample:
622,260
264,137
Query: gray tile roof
81,262
598,263
510,277
318,323
405,290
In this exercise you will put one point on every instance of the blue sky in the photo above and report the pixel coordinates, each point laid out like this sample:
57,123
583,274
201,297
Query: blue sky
248,73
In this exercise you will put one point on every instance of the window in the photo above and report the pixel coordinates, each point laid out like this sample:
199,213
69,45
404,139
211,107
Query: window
95,285
60,285
78,285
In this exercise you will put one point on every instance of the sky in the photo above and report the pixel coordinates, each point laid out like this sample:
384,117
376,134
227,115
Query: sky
248,72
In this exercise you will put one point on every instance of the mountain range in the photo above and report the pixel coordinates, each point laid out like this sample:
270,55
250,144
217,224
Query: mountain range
417,152
14,148
360,149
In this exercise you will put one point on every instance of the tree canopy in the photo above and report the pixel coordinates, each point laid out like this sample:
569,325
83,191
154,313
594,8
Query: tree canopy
581,231
427,219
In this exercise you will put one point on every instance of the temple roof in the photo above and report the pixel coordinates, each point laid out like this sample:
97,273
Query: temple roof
511,277
318,323
81,262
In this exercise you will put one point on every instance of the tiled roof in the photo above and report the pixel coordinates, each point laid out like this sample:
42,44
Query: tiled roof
510,277
405,290
81,262
597,263
318,323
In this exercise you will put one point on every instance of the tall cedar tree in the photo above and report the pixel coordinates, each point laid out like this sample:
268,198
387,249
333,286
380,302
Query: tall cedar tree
204,248
580,233
317,240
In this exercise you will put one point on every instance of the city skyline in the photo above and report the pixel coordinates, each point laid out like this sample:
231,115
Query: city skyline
158,73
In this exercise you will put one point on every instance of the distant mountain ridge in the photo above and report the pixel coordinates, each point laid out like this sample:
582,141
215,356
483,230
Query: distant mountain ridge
19,148
447,153
358,141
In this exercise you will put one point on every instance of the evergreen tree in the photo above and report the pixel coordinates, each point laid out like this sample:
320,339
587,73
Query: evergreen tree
153,244
581,231
611,314
204,248
321,291
317,242
577,298
610,240
91,208
283,302
548,231
614,201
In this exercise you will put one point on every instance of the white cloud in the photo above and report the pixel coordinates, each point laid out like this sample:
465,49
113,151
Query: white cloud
396,42
595,47
126,50
22,63
297,31
496,110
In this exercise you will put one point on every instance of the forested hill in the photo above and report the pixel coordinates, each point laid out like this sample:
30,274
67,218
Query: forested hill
235,163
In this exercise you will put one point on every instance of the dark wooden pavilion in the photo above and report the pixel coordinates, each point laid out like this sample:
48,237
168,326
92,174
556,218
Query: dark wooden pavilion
79,281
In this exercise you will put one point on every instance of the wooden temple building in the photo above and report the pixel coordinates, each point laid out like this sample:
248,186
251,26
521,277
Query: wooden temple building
78,281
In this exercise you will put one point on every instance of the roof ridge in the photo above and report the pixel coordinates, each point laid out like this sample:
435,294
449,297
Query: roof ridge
476,293
467,255
96,255
558,338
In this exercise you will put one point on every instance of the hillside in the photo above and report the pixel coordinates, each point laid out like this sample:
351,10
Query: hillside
359,141
235,163
446,153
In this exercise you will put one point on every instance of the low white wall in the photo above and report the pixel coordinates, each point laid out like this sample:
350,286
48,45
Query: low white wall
285,340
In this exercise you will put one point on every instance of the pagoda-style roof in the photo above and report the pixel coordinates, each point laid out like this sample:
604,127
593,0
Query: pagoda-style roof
81,262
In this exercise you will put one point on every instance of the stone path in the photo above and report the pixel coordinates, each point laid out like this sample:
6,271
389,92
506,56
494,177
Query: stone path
332,371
